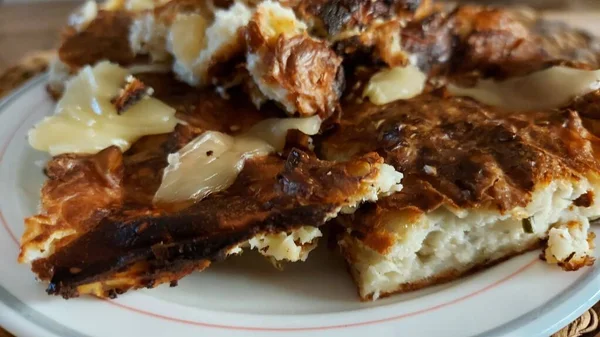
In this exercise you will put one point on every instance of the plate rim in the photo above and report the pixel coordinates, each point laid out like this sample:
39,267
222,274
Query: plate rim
24,317
532,321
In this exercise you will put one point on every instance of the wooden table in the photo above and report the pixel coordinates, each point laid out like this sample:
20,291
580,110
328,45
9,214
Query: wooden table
29,27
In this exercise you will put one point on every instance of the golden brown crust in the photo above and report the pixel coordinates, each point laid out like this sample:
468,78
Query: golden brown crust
97,183
574,261
32,64
499,42
462,154
270,195
105,38
305,69
117,239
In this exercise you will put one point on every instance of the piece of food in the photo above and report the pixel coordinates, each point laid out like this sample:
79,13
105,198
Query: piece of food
191,130
480,186
334,19
89,241
290,67
103,105
101,231
558,85
209,45
222,157
472,40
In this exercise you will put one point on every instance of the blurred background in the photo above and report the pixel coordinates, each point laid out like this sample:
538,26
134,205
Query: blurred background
28,25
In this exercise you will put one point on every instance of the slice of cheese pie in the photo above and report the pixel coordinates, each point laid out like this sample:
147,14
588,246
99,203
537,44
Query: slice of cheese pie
152,206
480,185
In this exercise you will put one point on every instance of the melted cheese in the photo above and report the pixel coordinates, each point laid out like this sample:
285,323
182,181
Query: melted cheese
274,130
395,83
85,120
197,43
546,89
185,41
212,161
140,5
275,20
132,5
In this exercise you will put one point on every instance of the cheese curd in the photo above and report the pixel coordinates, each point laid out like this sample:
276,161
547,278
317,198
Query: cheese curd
545,89
394,84
86,120
221,158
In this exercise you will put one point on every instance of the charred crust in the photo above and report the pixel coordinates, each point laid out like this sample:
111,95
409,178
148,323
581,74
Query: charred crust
481,156
585,200
336,16
148,247
133,92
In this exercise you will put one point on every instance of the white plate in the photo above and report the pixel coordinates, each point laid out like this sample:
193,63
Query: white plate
246,296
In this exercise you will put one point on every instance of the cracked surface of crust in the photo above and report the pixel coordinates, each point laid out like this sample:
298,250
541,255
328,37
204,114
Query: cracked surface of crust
462,154
490,42
289,66
331,17
99,233
155,245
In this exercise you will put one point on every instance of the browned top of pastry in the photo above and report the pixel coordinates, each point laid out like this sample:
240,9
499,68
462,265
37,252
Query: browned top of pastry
462,154
271,194
105,38
115,236
330,17
488,41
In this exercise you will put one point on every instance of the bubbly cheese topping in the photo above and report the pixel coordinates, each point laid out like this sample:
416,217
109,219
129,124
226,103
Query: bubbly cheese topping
545,89
85,120
395,83
211,162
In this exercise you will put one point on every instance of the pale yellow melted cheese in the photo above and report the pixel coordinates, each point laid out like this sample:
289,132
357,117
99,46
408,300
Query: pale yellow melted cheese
132,5
394,84
275,20
212,161
185,41
545,89
85,120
